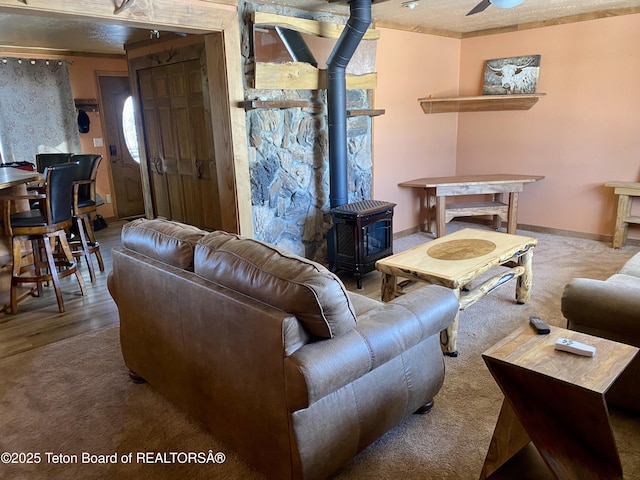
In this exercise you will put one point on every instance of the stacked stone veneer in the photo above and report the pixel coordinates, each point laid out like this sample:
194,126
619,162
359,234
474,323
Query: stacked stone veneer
289,164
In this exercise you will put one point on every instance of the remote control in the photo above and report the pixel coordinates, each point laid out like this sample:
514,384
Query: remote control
539,325
571,346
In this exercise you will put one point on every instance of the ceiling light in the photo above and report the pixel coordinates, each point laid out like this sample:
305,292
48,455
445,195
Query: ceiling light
506,3
411,4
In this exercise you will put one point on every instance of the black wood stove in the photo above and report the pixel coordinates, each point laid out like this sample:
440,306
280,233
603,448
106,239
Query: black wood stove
363,235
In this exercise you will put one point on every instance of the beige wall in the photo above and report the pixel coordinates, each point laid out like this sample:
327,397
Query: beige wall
581,135
406,143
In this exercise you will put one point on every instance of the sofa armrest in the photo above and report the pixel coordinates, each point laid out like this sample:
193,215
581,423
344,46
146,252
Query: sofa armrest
609,309
323,367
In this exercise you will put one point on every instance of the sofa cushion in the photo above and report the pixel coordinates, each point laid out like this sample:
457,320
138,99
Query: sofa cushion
286,281
632,267
163,240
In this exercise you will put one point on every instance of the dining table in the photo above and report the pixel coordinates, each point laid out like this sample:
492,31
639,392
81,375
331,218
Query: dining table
13,181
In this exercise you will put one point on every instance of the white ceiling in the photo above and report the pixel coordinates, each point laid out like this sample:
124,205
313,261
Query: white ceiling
447,16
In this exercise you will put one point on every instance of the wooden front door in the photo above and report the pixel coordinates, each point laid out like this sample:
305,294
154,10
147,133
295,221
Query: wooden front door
125,170
180,148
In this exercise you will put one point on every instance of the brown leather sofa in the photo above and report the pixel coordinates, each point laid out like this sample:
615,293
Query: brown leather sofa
268,349
610,309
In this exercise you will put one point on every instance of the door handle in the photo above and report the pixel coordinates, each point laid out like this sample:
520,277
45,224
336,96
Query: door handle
157,165
113,151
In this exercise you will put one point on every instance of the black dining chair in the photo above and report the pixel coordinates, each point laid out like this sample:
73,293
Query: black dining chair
44,160
84,204
42,227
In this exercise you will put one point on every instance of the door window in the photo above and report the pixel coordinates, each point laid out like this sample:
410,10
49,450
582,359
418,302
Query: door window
129,129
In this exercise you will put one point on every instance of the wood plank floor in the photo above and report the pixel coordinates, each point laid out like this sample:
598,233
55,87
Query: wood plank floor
39,323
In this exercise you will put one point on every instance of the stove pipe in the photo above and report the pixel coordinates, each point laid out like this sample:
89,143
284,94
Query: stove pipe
356,27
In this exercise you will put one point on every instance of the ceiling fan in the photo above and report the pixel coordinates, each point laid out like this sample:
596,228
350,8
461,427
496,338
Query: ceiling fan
484,4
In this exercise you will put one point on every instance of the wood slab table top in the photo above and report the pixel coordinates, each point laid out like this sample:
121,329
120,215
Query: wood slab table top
431,182
456,258
10,177
528,350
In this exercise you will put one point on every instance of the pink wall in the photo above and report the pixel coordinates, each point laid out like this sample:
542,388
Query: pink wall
583,134
408,144
84,84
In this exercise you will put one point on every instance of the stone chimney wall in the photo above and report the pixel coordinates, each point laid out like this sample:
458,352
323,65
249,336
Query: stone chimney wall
288,159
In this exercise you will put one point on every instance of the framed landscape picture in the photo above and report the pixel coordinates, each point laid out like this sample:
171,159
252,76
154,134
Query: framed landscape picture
504,76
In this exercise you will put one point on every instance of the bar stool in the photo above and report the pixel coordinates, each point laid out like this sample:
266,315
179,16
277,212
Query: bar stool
84,204
42,227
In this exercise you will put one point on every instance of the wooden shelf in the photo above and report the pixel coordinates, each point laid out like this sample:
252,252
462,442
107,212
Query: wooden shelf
365,113
253,104
482,103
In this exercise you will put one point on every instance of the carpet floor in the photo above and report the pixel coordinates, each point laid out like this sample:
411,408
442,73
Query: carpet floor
70,411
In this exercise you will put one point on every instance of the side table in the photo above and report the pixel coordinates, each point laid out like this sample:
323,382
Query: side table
625,191
556,400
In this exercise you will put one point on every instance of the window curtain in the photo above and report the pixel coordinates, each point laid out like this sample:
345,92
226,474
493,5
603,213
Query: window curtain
37,112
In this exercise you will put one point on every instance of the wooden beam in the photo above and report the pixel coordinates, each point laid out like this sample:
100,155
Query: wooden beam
230,130
311,27
189,16
302,76
254,104
365,112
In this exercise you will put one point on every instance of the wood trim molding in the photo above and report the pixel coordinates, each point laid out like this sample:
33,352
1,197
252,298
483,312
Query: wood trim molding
189,16
615,12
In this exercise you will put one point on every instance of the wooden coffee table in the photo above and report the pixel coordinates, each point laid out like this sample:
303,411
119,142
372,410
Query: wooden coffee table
556,400
455,260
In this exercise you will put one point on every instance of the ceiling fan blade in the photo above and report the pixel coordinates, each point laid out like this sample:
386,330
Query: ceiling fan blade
481,7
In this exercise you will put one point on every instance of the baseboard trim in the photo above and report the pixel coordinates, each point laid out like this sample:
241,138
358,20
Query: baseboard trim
532,228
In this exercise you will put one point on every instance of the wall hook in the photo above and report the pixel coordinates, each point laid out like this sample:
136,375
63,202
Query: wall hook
123,6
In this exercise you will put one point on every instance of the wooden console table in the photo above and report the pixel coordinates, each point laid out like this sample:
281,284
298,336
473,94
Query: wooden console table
435,190
556,400
625,191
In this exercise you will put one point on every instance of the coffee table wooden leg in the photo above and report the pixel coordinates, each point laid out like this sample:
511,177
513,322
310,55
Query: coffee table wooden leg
388,289
449,336
524,282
